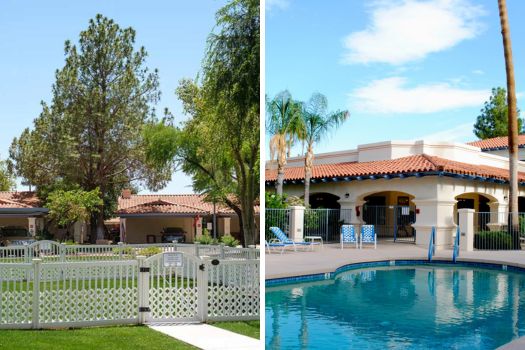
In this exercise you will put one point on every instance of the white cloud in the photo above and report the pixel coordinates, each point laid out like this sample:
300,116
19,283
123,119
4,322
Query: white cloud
460,133
478,72
391,95
277,4
406,30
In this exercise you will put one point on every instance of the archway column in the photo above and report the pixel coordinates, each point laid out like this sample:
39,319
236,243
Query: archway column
434,213
498,215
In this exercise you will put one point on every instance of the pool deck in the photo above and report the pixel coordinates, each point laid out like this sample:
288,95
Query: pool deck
330,257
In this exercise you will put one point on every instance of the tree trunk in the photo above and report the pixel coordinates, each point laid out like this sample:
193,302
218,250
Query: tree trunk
247,210
280,180
513,125
308,163
281,163
101,230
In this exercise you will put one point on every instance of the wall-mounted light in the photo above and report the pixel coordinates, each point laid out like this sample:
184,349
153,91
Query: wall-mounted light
347,195
506,198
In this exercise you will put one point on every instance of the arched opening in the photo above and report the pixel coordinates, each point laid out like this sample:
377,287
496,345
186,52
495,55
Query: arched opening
392,213
324,200
480,203
324,217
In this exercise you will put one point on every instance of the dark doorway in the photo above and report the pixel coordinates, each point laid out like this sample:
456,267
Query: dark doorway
324,201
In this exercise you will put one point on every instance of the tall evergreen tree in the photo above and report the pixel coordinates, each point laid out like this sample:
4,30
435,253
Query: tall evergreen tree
90,134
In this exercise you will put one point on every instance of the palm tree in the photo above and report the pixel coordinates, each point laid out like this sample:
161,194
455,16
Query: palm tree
513,121
284,124
317,123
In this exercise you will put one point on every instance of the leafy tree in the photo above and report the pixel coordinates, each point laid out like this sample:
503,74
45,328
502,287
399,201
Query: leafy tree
68,207
317,123
493,120
219,145
90,134
285,126
7,181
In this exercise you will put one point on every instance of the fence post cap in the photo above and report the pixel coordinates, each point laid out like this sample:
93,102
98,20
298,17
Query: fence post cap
36,260
297,207
141,257
251,246
120,243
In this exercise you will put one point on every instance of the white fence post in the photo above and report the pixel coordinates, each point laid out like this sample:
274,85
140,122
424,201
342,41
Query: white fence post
143,289
222,251
251,252
202,291
196,244
296,223
466,229
62,251
36,292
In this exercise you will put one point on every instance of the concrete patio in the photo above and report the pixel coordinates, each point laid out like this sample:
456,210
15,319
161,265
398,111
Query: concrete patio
330,257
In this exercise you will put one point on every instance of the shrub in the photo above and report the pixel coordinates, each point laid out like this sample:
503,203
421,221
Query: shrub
229,241
493,240
206,238
123,250
149,251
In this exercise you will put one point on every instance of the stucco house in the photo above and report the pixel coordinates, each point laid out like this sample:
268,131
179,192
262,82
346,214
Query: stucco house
141,217
419,183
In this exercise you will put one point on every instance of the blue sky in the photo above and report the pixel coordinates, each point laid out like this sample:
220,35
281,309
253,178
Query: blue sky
405,69
32,35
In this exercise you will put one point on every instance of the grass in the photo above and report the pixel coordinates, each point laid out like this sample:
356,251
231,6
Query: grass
108,338
248,328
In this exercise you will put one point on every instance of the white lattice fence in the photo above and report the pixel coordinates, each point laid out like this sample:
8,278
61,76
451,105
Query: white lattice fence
86,293
170,286
16,296
233,290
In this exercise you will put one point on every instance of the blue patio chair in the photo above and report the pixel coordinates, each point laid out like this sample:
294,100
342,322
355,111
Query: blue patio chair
283,239
348,235
274,245
368,235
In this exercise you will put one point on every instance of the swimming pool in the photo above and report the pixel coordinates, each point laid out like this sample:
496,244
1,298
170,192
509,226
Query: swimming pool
422,306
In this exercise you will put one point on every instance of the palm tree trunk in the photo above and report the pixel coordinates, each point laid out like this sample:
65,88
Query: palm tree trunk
308,163
513,122
281,162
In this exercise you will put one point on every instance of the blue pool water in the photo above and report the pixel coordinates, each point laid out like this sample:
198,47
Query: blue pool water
399,307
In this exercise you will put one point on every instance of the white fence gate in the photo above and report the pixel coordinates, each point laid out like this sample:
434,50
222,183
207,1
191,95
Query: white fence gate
167,287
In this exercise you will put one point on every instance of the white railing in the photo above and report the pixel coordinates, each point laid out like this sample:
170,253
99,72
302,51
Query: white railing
51,251
171,286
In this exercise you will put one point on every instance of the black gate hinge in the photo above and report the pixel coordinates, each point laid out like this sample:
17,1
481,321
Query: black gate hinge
144,309
144,269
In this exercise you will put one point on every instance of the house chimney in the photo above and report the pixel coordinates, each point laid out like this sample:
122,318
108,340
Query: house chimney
126,193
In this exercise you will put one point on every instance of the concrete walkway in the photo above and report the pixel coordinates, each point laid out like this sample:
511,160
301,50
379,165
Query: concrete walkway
207,337
329,258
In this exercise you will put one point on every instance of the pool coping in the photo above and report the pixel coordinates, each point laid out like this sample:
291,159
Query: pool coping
319,276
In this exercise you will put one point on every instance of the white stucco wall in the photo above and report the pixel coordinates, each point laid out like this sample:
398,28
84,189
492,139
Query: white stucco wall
434,196
139,228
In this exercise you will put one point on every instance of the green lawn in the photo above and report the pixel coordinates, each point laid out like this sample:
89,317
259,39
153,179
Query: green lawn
107,338
248,328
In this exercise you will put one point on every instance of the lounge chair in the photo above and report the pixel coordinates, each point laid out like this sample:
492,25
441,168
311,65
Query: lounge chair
282,238
273,244
368,235
348,235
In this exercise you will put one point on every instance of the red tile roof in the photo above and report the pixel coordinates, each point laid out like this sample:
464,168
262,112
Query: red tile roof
413,164
496,143
19,200
170,204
